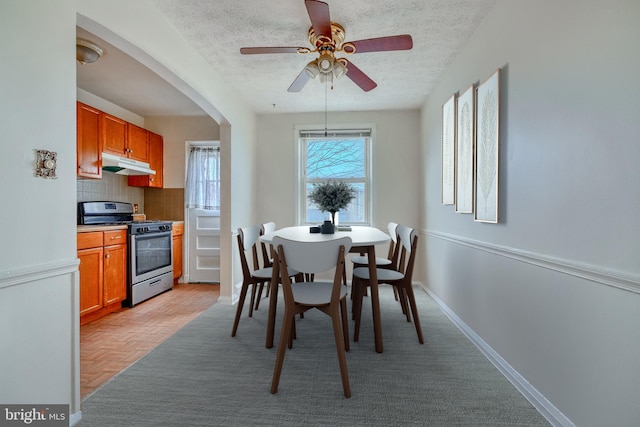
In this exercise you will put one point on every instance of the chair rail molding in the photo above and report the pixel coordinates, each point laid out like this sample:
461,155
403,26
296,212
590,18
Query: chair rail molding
617,279
23,275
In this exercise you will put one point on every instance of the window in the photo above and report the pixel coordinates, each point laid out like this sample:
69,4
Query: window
202,189
341,155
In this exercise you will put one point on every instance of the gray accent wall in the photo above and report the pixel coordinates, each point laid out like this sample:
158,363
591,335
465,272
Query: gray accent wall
553,290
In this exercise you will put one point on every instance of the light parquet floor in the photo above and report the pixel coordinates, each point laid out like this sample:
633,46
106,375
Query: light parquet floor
111,344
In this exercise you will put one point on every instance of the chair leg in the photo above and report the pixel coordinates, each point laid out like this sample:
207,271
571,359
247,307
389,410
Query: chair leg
403,302
345,323
243,295
292,333
260,294
358,310
414,309
355,284
285,334
342,358
253,299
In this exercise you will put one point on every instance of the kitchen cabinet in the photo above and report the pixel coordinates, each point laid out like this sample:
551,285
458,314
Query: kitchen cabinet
156,162
115,267
178,232
114,135
99,132
124,139
137,143
103,272
89,143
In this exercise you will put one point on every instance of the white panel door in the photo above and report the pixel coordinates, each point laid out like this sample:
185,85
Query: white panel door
204,246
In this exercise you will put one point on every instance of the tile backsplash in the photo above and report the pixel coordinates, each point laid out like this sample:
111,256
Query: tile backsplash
155,203
111,187
164,203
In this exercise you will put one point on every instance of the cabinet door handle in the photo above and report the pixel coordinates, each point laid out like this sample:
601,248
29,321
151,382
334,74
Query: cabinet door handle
107,256
115,237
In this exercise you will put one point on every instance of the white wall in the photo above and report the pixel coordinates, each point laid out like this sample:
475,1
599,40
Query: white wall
38,264
554,288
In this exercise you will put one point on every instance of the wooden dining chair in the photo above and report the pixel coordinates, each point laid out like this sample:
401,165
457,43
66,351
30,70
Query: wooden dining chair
391,261
401,278
267,258
327,296
255,276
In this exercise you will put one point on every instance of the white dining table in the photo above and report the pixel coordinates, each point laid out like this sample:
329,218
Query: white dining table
364,240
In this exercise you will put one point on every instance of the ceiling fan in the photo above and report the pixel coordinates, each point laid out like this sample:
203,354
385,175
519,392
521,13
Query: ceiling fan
327,39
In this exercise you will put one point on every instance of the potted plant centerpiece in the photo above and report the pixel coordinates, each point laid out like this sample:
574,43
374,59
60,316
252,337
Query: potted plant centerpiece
332,196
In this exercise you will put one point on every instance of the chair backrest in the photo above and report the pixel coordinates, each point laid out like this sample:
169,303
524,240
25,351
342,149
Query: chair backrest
408,240
392,226
268,227
247,239
267,255
312,257
393,247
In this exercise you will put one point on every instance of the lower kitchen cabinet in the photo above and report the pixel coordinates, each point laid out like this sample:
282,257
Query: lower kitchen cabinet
103,273
91,266
178,232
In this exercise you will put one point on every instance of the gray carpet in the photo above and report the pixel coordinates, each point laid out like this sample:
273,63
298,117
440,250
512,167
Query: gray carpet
202,377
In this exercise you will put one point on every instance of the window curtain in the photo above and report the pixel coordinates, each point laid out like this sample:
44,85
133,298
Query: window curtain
202,190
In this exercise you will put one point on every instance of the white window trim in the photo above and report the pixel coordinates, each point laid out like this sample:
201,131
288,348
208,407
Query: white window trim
300,195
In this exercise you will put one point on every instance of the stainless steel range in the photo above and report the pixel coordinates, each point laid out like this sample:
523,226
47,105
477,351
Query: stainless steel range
150,266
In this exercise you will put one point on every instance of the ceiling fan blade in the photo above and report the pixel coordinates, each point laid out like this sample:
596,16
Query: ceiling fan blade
360,78
319,16
380,44
299,82
255,50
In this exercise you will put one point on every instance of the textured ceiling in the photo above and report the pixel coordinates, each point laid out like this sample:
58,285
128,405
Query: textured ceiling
218,29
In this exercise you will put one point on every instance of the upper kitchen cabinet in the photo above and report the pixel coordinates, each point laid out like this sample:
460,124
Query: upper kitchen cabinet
114,135
89,143
124,139
156,162
137,143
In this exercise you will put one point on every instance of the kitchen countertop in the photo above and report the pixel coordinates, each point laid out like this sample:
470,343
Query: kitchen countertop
89,228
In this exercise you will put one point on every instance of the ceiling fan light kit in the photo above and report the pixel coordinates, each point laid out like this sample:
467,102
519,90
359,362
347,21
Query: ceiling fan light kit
327,39
312,69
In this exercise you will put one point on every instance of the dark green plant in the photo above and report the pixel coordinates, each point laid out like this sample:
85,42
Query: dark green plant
332,196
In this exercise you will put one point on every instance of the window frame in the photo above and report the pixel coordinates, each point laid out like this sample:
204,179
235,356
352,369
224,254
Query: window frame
345,131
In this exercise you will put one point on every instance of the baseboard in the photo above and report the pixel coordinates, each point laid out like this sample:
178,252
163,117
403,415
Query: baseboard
537,399
75,418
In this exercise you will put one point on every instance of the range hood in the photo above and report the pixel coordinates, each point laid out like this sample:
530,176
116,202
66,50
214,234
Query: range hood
124,166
